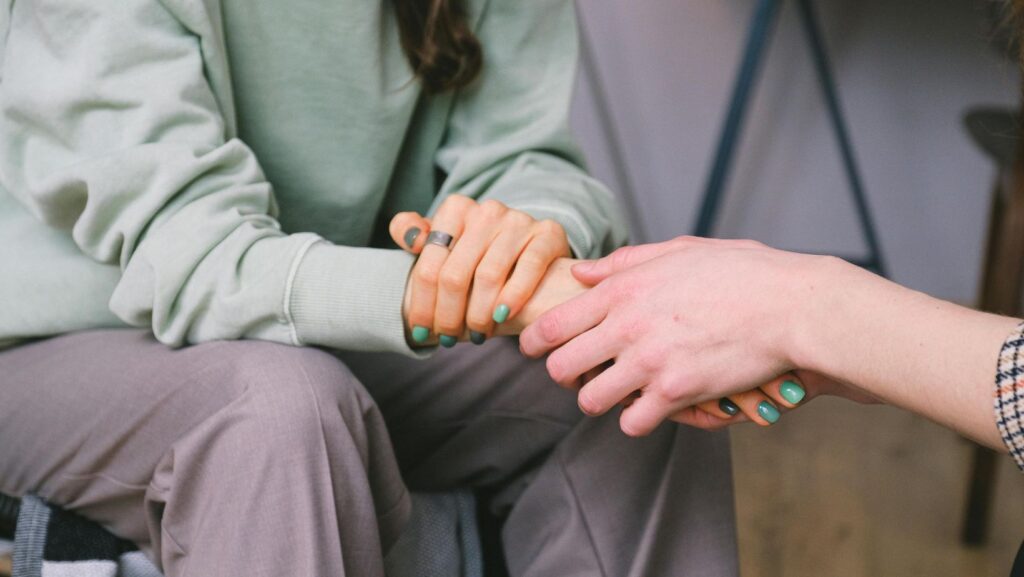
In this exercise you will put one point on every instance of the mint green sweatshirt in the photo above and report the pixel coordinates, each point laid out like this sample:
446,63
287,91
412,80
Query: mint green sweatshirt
226,169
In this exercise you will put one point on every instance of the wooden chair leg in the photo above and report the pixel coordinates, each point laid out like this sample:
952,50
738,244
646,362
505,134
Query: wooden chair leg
979,496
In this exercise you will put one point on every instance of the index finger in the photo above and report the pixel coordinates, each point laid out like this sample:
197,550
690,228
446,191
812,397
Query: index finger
563,322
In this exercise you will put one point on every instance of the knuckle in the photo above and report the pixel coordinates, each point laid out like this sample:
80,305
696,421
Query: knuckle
548,226
633,330
648,362
620,258
625,290
518,218
454,280
532,260
587,403
558,370
492,208
674,390
457,201
555,369
426,275
549,326
630,428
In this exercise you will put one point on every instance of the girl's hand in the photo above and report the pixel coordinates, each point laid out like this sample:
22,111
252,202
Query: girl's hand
495,261
766,404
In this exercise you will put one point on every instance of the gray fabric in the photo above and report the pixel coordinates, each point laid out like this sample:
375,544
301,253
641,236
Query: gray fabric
136,564
30,538
441,538
284,449
37,556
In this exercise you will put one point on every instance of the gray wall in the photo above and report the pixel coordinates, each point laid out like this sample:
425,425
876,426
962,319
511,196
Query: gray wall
907,70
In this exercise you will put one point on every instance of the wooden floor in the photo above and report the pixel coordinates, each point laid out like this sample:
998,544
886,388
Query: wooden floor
843,490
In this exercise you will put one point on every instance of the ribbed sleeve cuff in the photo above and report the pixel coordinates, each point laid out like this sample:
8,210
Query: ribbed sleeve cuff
350,298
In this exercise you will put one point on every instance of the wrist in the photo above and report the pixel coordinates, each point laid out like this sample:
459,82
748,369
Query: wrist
558,286
817,306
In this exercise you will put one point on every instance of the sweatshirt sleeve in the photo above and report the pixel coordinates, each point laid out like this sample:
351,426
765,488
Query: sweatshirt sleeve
508,136
111,129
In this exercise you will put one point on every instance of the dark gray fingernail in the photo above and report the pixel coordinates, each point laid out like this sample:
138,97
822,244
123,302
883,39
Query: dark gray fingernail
411,235
728,407
477,338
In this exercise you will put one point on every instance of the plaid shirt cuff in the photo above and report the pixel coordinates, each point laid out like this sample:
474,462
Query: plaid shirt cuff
1009,395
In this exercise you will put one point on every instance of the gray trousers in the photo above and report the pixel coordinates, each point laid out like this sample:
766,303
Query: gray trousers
251,458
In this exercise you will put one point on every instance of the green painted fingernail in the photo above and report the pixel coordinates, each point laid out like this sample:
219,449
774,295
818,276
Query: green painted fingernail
792,392
420,334
448,341
410,236
728,407
477,338
501,314
768,411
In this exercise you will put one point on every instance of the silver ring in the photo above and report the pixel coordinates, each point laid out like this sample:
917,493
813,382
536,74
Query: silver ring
441,239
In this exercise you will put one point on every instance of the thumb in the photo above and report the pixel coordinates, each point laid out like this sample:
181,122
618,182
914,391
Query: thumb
409,231
593,272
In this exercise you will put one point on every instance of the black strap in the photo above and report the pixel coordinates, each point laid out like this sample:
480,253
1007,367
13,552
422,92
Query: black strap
9,508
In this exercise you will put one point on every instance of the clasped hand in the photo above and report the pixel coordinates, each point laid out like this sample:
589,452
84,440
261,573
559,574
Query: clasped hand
700,331
693,330
495,262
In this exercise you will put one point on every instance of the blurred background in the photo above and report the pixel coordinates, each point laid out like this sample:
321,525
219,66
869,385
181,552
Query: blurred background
838,489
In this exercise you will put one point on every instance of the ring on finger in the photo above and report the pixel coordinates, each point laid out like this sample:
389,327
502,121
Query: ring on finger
441,239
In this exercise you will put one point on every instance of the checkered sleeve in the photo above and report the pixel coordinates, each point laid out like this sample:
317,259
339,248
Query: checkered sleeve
1009,402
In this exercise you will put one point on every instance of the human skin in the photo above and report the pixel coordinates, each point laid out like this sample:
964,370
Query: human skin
692,320
497,260
556,286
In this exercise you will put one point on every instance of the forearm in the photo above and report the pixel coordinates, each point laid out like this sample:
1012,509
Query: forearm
919,353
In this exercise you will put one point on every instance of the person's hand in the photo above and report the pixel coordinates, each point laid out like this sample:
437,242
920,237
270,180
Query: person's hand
682,324
495,261
558,286
783,394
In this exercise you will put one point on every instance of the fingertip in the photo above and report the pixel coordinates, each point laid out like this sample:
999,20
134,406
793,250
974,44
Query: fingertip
792,392
583,268
630,430
409,231
768,412
588,272
411,235
528,343
510,305
631,422
587,404
786,391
